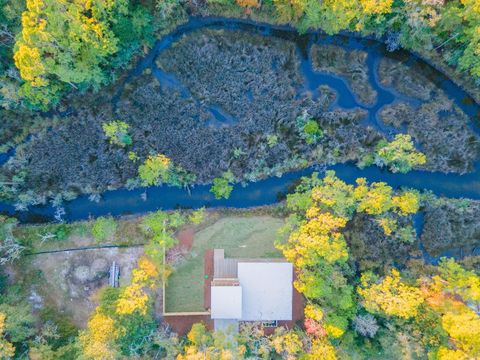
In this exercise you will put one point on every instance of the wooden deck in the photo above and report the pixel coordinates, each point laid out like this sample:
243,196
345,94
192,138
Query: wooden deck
224,268
227,268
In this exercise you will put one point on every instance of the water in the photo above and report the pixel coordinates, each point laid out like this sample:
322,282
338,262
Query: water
269,191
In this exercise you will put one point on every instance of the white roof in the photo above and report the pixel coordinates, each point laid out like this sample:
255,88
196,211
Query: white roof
226,302
267,290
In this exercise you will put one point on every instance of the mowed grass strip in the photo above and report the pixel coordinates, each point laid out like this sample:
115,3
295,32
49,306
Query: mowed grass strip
241,237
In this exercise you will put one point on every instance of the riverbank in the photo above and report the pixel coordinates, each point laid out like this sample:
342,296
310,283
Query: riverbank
75,265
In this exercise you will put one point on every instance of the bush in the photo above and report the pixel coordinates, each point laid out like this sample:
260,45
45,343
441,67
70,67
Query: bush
117,133
309,129
104,229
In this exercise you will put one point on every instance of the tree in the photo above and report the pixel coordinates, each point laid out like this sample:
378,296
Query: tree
7,350
390,296
98,340
399,155
10,249
321,349
221,187
64,41
373,200
463,326
365,325
155,169
117,133
146,273
18,321
406,203
133,298
457,280
309,129
287,343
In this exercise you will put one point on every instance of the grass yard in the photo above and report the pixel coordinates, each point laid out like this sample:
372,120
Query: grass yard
240,237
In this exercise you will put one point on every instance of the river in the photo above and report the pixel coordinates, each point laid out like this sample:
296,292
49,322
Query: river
270,190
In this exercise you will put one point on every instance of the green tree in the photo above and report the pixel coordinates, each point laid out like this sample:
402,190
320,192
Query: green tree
221,187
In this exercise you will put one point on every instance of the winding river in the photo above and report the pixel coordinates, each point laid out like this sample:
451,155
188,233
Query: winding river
269,191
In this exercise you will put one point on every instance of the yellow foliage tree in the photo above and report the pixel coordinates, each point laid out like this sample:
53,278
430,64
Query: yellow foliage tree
390,296
373,200
133,298
146,273
317,238
287,343
7,350
463,326
97,341
321,349
407,203
450,354
154,168
376,7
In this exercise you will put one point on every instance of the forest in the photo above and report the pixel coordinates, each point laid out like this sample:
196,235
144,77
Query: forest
103,102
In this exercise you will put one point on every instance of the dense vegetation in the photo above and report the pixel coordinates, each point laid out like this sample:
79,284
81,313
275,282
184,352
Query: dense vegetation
353,310
64,45
54,50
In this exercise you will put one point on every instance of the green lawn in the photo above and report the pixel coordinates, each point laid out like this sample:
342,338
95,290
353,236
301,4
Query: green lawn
239,236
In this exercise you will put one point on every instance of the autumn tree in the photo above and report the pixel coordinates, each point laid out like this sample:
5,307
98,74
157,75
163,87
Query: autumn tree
66,43
117,132
390,296
7,350
98,340
319,252
155,169
452,294
399,155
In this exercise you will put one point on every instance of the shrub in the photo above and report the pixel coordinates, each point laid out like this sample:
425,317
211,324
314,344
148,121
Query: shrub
309,129
104,229
248,3
197,216
117,133
272,140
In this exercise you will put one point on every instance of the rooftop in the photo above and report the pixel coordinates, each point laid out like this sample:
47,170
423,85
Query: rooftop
251,289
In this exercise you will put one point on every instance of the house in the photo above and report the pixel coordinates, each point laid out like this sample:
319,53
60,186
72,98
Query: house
259,290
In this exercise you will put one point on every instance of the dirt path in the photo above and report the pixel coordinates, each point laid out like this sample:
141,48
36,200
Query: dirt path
185,238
